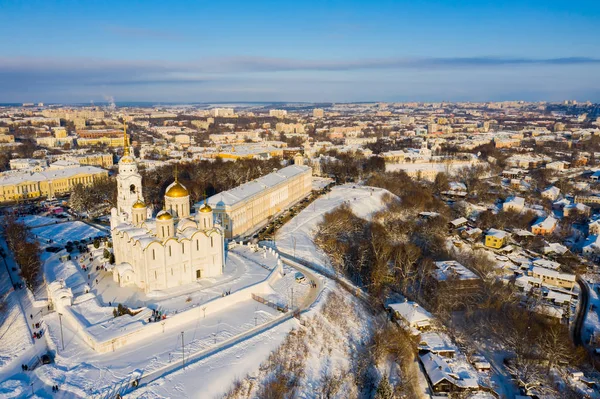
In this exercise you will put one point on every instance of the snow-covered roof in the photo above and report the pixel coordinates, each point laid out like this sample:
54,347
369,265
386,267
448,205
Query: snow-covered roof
451,268
523,233
248,190
547,264
516,201
412,313
18,177
552,191
555,248
541,271
546,224
436,368
459,221
500,234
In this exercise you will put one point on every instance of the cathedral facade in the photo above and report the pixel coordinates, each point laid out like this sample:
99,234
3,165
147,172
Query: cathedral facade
172,249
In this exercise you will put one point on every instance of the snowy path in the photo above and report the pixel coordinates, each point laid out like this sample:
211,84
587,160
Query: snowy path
296,236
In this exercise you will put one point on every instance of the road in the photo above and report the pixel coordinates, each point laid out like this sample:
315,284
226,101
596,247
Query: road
582,313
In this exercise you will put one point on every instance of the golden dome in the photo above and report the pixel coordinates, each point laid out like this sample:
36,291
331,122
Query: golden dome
164,215
139,204
177,191
206,208
127,159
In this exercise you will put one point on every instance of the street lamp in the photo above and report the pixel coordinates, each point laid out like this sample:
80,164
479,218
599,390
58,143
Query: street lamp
62,340
182,351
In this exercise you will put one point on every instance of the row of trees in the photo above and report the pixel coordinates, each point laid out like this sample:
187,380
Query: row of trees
25,249
94,200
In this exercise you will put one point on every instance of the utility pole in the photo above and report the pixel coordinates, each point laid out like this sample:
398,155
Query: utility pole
294,239
182,351
62,340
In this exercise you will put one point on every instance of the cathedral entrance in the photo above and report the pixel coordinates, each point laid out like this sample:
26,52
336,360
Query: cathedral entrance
198,274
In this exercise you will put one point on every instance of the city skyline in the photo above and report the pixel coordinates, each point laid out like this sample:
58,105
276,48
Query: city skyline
264,51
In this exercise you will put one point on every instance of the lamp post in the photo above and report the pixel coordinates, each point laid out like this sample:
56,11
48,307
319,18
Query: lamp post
182,351
62,340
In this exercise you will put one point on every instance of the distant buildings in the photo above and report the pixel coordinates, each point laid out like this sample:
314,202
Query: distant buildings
278,113
222,112
18,185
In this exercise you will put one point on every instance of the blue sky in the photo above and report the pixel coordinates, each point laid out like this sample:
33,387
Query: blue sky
78,51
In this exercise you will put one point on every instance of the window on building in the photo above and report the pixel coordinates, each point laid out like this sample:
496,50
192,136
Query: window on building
132,189
170,251
182,248
211,242
153,255
155,275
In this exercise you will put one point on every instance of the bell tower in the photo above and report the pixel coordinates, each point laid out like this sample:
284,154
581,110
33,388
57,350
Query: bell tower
129,181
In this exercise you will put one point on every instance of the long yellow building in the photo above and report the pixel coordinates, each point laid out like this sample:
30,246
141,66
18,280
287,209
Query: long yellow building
18,185
247,207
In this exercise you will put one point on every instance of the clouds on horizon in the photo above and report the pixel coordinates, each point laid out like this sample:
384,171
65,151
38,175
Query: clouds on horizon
36,77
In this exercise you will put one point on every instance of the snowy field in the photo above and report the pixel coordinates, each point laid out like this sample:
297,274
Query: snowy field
296,236
61,233
39,220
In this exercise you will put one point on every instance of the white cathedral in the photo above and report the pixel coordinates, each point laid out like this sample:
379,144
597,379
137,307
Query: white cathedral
172,249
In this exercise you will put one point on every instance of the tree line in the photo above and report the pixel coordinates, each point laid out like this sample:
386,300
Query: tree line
25,249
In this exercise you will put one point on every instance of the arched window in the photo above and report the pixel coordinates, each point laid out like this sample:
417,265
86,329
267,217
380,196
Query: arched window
153,255
211,242
132,189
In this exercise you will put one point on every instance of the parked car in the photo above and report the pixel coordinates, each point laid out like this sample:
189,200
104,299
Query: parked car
300,278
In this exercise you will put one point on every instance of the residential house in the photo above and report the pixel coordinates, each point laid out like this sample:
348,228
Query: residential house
495,238
441,377
411,315
553,277
544,227
515,204
551,193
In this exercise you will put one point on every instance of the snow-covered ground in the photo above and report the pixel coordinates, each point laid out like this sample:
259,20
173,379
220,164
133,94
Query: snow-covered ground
82,372
14,333
39,220
243,268
62,233
296,237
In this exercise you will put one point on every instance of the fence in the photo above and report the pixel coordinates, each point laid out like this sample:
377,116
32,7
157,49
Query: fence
273,305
